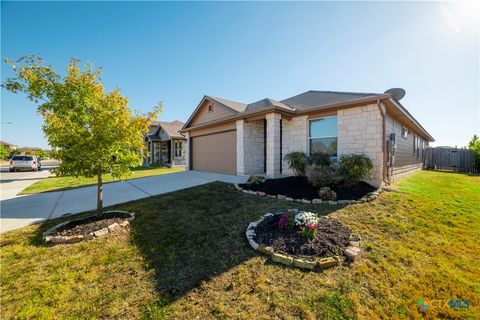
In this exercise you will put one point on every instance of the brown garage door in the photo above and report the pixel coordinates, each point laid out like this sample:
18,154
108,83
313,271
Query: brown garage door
215,152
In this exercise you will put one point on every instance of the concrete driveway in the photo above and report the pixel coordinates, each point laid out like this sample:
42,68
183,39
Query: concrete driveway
22,211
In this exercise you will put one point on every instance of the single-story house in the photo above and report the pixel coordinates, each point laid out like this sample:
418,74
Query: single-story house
243,139
8,146
165,143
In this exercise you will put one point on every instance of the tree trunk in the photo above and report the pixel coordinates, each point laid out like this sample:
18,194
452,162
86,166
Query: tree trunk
99,194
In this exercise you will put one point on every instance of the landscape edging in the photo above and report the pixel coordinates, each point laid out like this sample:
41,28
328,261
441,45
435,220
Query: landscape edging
49,238
350,253
366,198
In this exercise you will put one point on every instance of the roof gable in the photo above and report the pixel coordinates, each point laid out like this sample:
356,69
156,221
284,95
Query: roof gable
220,108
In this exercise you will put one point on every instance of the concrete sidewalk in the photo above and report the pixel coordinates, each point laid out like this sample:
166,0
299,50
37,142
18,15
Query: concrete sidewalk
20,212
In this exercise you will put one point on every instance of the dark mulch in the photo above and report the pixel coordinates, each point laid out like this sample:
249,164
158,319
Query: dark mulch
300,188
90,224
333,237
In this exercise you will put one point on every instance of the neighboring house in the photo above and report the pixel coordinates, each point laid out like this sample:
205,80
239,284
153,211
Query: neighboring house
28,150
243,139
165,143
7,145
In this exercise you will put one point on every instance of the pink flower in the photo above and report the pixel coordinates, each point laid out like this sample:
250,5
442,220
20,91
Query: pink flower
282,224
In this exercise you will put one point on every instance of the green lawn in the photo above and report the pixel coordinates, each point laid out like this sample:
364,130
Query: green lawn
65,183
185,257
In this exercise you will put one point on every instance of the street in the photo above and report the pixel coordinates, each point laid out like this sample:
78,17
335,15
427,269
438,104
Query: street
11,183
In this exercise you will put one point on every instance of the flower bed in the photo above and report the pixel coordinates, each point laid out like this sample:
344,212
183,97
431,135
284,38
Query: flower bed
303,240
300,190
87,228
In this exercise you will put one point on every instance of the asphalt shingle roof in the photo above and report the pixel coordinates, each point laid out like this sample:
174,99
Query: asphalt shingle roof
311,99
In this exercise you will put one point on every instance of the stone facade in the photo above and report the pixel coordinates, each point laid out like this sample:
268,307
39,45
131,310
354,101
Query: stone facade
186,151
360,130
294,138
273,145
254,155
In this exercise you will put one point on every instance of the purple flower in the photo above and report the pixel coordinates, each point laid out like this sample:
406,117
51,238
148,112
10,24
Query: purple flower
282,224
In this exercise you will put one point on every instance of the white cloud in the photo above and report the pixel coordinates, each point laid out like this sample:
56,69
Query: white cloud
449,18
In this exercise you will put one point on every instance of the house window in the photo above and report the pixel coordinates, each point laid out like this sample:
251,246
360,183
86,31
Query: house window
404,133
178,149
210,108
323,135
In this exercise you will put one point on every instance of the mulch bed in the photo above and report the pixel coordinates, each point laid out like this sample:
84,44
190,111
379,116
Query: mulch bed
90,224
300,188
333,237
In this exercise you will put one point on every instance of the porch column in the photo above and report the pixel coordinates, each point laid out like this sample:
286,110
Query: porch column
172,152
273,145
240,147
186,150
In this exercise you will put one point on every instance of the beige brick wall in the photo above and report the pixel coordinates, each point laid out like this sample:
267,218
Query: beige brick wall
254,154
186,151
273,145
360,130
294,138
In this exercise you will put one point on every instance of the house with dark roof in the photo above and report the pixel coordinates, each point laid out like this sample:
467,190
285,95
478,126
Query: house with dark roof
230,137
165,144
9,146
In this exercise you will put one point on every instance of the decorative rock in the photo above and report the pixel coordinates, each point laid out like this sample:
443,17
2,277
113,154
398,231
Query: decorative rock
74,239
293,210
326,263
355,237
100,232
352,253
286,260
317,201
289,199
250,234
262,194
268,215
252,192
306,201
298,200
344,201
124,223
253,244
332,202
88,236
265,249
281,197
113,226
245,191
304,264
270,196
237,187
252,225
58,239
355,244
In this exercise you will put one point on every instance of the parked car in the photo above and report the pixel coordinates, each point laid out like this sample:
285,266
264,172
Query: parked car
25,163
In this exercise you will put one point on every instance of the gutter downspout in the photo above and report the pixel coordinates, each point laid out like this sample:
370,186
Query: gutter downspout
385,177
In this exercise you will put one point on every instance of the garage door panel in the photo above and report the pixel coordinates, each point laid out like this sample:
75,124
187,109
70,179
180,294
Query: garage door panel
215,152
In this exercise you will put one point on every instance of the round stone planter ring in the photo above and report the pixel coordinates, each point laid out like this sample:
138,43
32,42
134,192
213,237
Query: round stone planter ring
52,236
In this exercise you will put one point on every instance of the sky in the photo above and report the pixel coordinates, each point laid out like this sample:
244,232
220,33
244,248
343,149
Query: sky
179,52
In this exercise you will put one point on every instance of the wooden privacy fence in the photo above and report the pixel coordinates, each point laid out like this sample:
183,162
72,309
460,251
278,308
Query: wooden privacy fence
452,159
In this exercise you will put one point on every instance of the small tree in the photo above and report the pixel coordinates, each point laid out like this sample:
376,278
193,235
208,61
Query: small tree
297,161
93,132
474,145
3,152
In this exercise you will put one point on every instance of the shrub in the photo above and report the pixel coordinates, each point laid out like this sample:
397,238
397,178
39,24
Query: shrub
321,176
326,193
297,161
320,159
255,180
310,231
355,167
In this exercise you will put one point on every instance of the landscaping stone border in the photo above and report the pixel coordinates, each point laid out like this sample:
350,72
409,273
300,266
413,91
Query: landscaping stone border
366,198
48,236
317,264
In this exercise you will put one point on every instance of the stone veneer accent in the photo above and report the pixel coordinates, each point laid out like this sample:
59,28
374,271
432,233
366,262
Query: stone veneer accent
360,130
273,145
250,147
294,138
